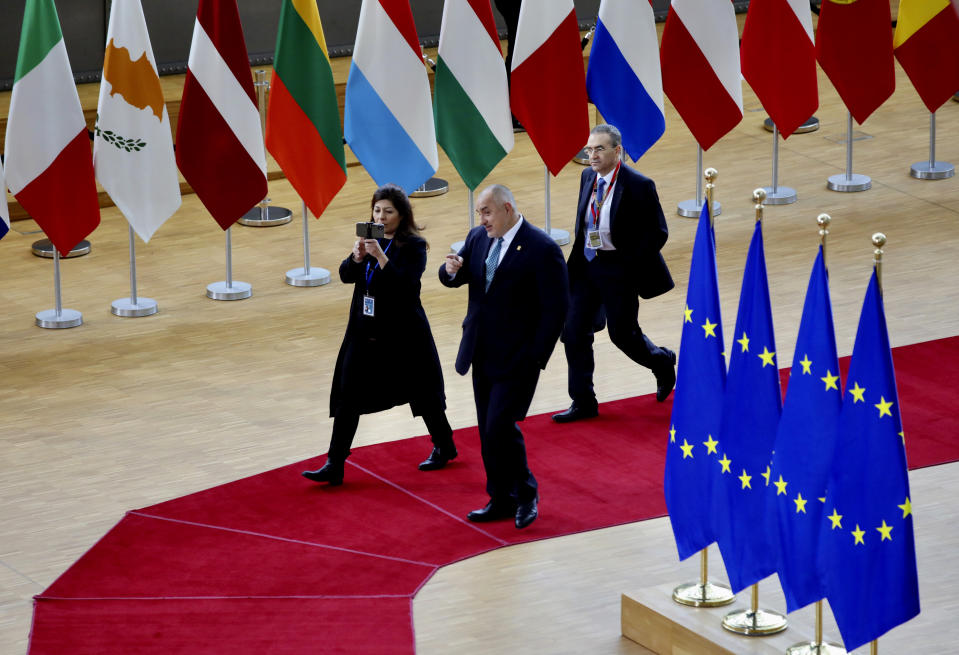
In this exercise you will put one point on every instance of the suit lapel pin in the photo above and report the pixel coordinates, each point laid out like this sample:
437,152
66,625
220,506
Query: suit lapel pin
518,248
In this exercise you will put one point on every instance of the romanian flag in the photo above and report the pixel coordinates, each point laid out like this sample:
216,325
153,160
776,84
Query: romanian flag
303,130
926,32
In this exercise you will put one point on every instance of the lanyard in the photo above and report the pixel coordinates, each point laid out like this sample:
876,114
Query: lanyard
371,269
596,207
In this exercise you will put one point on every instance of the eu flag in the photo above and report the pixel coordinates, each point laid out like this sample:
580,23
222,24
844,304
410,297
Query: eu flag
804,445
866,544
691,453
752,404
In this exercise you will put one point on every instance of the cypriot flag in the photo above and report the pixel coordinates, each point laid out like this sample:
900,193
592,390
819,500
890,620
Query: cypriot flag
133,147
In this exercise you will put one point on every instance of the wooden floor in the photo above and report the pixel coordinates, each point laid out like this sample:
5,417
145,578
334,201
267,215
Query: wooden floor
123,413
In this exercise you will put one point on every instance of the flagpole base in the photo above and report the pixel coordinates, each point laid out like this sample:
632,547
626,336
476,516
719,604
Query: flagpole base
812,648
849,183
300,277
67,318
754,624
236,291
561,237
581,158
783,195
456,246
142,307
811,125
697,594
434,186
692,209
925,170
44,248
266,216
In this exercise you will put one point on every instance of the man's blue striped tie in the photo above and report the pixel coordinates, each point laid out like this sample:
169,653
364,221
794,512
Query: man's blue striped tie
492,261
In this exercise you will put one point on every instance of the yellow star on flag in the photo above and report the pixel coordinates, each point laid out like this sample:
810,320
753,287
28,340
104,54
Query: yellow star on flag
883,407
857,535
687,450
672,434
725,462
688,318
767,357
708,327
857,392
885,531
745,480
806,363
906,507
836,519
780,486
800,503
710,445
766,474
744,342
830,380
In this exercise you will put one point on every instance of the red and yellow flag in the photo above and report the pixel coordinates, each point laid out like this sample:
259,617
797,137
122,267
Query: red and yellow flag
925,42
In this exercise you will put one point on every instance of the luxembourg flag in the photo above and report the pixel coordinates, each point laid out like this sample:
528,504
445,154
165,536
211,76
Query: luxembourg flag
388,120
624,79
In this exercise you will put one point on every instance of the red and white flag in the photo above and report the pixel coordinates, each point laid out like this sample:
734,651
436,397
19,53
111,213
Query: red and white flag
700,62
779,60
219,141
548,81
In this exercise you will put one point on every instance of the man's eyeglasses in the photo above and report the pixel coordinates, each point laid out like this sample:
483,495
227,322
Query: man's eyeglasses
598,150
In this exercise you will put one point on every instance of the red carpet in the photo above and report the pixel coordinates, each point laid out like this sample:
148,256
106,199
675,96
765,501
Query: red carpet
276,564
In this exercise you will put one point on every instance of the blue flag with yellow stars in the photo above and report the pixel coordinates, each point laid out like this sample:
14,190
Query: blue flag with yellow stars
752,403
804,445
866,544
691,453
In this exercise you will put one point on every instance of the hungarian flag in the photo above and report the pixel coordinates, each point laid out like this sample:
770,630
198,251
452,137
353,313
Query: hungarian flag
925,43
133,148
779,60
219,142
303,120
854,48
548,83
472,96
49,167
700,67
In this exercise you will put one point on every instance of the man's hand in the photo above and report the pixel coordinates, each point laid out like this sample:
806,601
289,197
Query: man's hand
453,264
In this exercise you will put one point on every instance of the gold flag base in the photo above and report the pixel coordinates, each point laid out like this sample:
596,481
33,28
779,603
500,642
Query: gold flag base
754,623
697,594
813,648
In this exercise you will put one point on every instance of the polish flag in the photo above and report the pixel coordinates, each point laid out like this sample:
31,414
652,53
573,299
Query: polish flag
548,81
219,141
700,64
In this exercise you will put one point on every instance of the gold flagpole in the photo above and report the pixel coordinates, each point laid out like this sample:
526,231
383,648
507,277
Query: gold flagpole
704,593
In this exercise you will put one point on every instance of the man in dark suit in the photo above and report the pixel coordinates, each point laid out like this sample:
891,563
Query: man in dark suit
518,296
620,229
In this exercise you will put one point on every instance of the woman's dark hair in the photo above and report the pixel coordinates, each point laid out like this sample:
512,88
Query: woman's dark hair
401,202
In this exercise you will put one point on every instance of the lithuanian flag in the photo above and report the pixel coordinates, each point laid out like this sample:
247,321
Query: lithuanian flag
303,131
925,42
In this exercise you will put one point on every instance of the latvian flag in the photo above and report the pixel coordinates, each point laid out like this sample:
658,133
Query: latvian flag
219,142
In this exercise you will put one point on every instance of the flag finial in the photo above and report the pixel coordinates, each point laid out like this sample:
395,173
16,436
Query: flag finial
823,221
878,240
710,174
759,197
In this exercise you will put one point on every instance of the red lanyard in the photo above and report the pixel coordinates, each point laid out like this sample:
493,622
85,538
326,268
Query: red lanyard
594,210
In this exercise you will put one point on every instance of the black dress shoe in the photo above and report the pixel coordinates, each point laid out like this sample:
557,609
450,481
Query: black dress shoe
577,412
526,513
494,511
331,472
439,458
666,378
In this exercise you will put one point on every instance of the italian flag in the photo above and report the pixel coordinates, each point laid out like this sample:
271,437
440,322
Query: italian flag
303,130
49,164
472,113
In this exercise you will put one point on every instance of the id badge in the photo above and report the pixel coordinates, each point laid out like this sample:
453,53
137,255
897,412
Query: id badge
368,306
593,240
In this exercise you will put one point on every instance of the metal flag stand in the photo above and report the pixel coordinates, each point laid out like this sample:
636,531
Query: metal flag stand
307,276
932,169
775,194
692,208
849,182
818,647
44,248
435,186
58,317
133,306
704,593
458,245
264,214
229,290
561,237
